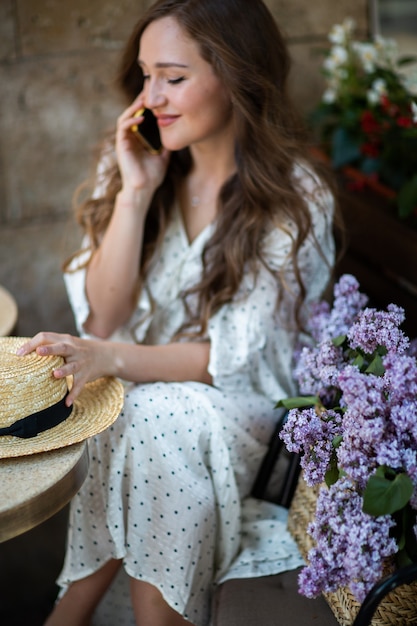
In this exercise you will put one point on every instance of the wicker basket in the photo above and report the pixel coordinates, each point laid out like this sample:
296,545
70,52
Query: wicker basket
398,608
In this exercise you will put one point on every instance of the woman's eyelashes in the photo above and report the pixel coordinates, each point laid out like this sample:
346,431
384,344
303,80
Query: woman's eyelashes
170,81
175,81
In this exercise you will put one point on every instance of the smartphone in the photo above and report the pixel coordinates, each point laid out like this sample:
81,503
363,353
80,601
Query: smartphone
147,131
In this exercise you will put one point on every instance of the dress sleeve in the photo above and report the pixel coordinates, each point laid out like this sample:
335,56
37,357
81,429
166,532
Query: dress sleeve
252,344
133,330
250,351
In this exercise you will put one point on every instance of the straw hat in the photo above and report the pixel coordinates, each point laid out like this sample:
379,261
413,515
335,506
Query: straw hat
33,415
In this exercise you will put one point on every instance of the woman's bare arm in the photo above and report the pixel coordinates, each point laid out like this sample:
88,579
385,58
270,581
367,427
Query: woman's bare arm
113,272
87,359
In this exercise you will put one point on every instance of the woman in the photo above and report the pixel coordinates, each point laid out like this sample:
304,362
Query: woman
201,262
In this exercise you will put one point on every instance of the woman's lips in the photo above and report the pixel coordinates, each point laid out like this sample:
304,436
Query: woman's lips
166,120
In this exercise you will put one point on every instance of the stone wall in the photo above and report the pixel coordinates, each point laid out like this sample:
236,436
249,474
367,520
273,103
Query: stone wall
57,61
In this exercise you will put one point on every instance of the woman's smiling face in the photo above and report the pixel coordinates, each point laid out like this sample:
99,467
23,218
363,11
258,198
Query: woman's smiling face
191,104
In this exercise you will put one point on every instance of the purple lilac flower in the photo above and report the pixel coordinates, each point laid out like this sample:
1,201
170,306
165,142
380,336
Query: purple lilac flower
317,369
328,323
311,434
364,422
389,452
318,320
403,423
329,360
412,348
350,544
378,427
376,430
305,373
409,458
379,328
401,375
357,458
363,394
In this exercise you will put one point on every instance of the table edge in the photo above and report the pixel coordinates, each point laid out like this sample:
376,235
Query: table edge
33,512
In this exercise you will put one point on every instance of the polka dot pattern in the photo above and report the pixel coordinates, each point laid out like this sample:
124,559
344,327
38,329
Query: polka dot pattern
168,484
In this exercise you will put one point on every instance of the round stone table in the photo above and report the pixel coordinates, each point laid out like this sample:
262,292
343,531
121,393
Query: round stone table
8,313
35,487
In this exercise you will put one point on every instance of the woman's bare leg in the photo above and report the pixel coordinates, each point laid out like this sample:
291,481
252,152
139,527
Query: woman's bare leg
150,608
77,606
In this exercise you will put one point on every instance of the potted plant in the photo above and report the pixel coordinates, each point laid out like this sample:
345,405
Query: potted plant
355,427
367,118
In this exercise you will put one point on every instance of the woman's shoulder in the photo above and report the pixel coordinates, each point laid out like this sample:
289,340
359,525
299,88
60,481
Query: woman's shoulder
279,238
312,186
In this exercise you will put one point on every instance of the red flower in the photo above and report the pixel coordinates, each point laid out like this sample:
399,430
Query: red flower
389,107
404,122
368,123
356,185
370,149
362,181
385,101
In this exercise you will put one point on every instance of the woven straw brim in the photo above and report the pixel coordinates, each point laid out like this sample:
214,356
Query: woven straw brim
95,409
27,384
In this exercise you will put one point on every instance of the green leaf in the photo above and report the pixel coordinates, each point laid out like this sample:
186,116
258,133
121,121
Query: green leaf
358,361
298,402
331,476
404,534
345,149
402,557
383,496
375,366
370,166
407,198
406,59
339,340
400,541
337,441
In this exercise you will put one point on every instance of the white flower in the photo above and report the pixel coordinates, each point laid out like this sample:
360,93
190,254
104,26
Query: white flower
367,54
342,73
378,89
337,34
372,97
387,50
410,82
337,56
349,25
380,86
414,112
329,96
340,33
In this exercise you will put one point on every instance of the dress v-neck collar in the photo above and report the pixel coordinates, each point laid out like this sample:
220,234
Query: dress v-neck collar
202,236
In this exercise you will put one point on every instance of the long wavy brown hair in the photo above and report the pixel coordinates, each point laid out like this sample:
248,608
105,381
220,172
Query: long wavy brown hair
242,42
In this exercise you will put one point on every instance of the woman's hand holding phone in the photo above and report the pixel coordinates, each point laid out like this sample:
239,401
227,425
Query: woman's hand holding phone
141,157
147,131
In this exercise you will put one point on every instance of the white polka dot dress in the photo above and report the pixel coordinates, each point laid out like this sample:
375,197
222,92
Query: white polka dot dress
168,484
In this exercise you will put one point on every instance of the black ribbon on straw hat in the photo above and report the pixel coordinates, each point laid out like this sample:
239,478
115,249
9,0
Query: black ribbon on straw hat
33,414
38,422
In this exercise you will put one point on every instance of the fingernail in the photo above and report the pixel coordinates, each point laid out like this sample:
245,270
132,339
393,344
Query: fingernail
20,351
